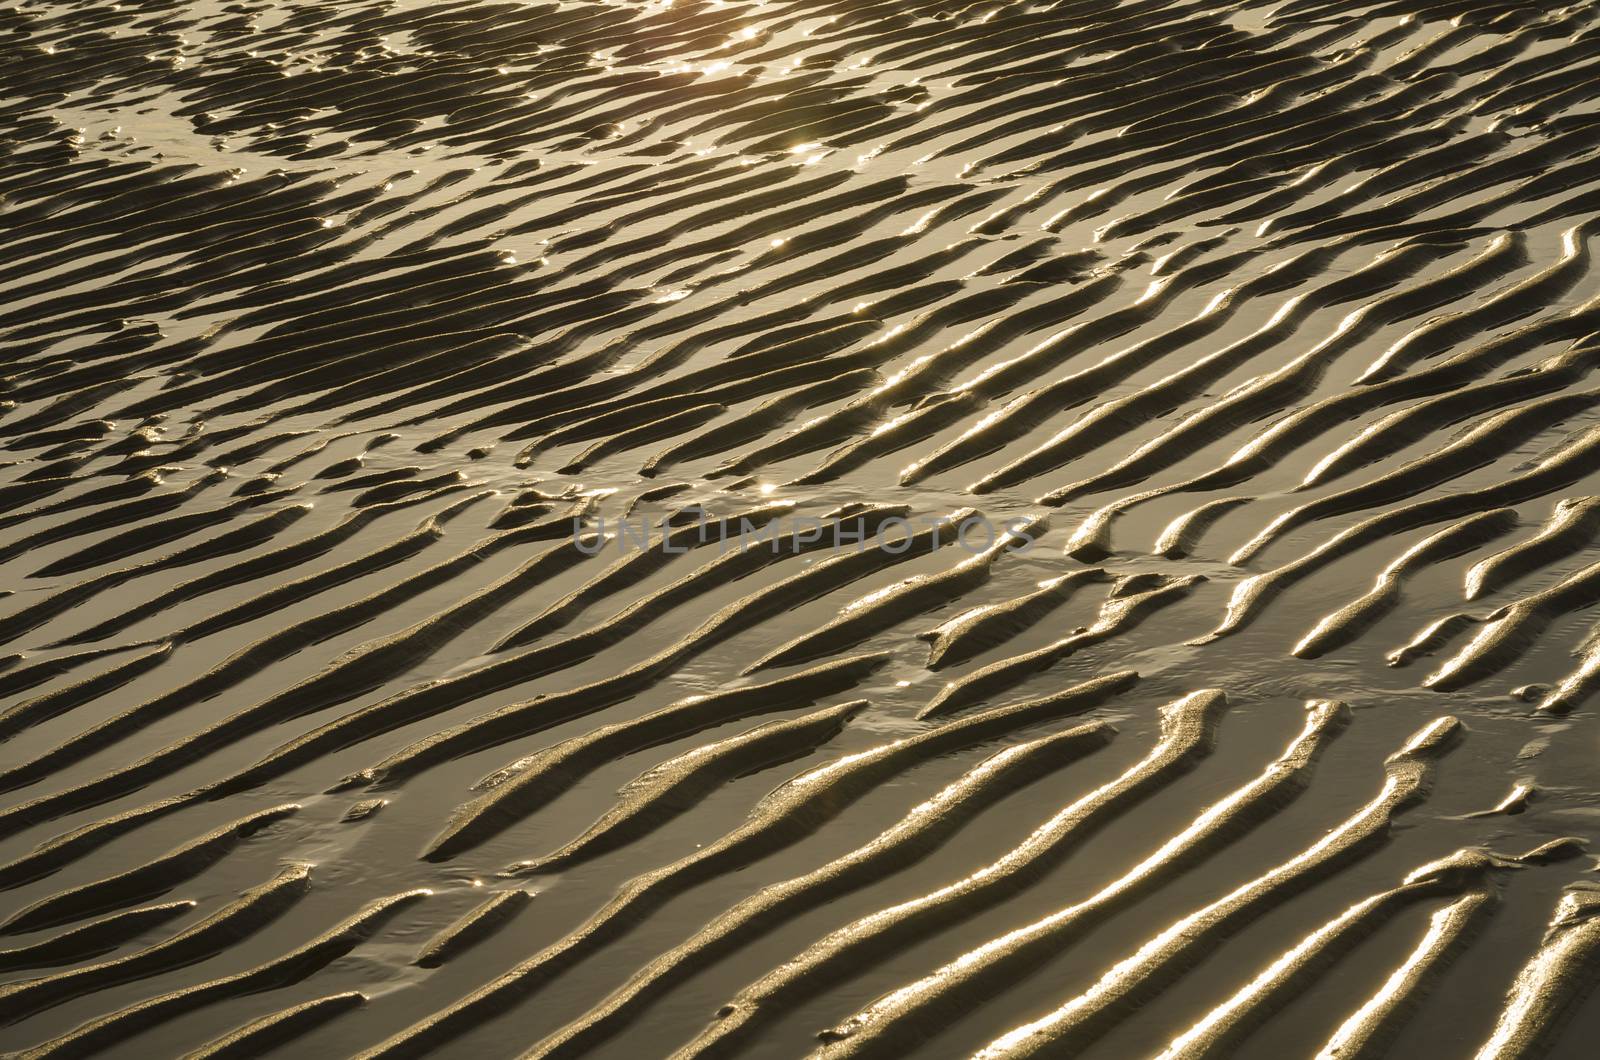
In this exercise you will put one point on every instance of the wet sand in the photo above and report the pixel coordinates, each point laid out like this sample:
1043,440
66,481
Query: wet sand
390,393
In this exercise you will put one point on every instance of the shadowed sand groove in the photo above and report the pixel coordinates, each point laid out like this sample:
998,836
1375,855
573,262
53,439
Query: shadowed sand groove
523,786
978,629
797,807
1122,611
1354,618
1508,631
927,823
1312,956
898,1019
679,783
1571,526
149,880
420,417
92,939
288,968
473,928
254,910
268,1032
1369,1028
1548,985
1407,778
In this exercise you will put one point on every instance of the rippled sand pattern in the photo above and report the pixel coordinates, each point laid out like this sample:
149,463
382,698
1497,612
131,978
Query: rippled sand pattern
323,323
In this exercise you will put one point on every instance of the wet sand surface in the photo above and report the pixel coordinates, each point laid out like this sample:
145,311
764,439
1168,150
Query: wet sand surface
1271,327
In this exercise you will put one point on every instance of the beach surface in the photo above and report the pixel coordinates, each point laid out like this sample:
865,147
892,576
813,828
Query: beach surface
802,527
